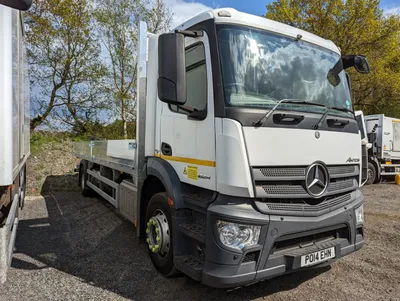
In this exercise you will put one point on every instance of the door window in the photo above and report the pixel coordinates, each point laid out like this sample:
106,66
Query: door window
196,81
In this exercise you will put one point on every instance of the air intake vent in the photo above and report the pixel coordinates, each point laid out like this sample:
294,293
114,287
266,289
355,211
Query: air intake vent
251,256
283,172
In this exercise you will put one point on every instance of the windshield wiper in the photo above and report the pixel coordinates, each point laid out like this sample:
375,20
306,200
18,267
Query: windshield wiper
261,121
323,117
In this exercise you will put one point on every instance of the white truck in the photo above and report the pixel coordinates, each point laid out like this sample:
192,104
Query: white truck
383,133
14,125
247,160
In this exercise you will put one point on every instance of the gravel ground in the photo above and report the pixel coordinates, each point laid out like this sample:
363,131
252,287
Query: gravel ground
74,248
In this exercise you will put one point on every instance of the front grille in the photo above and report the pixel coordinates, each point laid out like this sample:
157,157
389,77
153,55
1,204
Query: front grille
344,169
283,172
288,182
305,205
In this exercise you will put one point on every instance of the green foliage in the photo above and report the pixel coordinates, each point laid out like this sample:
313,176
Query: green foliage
42,138
94,130
357,27
113,131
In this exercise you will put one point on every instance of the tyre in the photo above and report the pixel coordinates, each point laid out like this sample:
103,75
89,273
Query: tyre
159,234
371,173
83,177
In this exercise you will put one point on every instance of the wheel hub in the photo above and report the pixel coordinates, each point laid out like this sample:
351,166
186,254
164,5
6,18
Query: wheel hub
158,235
370,174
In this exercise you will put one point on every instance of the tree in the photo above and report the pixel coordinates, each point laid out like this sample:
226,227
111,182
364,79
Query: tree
64,62
357,27
118,21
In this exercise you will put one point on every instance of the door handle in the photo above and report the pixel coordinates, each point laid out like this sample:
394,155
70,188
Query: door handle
287,118
166,149
337,122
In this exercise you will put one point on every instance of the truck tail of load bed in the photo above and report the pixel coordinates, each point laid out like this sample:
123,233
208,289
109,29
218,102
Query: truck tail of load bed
14,125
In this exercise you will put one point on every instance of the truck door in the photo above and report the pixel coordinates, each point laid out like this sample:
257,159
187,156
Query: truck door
396,138
187,139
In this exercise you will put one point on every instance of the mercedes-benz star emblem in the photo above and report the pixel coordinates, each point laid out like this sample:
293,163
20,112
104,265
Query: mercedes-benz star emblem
317,180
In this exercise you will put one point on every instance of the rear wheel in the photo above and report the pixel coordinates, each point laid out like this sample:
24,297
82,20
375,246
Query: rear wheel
371,173
159,234
83,177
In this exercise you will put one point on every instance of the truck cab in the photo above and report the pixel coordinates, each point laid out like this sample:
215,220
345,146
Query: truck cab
247,154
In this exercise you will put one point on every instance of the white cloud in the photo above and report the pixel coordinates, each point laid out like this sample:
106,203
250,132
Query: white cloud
394,10
184,10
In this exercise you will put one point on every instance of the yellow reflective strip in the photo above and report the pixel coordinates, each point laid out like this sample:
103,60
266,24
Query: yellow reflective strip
187,160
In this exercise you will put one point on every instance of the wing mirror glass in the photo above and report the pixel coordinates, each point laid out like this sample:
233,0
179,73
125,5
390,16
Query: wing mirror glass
361,64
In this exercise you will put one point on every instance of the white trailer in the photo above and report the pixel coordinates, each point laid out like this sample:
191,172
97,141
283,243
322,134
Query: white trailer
247,160
14,125
383,133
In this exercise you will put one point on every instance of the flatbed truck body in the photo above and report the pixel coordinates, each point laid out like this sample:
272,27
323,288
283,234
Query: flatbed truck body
233,179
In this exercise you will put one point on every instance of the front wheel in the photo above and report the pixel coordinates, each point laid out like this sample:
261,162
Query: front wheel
159,234
371,174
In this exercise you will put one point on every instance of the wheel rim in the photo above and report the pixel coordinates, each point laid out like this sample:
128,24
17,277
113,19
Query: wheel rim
158,234
370,174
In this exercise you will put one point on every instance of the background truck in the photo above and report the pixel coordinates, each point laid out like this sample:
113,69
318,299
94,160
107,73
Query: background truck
247,160
383,133
14,125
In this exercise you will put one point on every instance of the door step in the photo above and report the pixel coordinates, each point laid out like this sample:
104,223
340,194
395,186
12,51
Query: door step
189,265
194,231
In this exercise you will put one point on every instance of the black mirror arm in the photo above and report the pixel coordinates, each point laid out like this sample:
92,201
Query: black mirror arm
345,62
348,61
198,115
190,33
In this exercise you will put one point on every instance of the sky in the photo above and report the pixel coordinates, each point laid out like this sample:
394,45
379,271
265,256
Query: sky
185,9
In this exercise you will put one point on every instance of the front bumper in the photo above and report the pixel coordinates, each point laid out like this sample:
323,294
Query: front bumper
283,240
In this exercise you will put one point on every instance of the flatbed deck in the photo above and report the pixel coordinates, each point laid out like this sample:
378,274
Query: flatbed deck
115,154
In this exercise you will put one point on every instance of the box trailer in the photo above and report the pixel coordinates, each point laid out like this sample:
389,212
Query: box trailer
383,133
247,159
14,125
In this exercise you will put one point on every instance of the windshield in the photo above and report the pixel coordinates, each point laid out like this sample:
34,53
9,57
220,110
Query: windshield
260,68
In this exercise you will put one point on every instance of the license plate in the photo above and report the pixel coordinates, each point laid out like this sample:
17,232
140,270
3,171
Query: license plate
317,257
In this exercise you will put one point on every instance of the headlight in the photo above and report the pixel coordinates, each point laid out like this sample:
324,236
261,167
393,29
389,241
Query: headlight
238,236
359,212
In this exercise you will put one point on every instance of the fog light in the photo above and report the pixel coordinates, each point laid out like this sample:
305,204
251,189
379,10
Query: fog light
359,212
238,236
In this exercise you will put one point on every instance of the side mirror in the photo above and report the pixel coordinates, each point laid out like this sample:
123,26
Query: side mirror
171,68
17,4
361,64
371,137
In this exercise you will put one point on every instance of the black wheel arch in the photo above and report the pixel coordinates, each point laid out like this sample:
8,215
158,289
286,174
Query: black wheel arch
160,176
164,171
